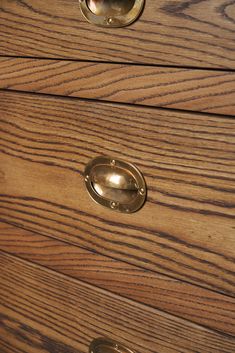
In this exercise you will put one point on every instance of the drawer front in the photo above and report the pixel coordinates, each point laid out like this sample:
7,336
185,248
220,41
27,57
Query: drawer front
211,91
183,299
43,311
186,227
182,33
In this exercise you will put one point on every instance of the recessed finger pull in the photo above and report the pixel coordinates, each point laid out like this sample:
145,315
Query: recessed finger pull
115,184
104,345
111,13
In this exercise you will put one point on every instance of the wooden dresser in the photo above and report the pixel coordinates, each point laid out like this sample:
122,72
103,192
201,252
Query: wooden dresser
158,94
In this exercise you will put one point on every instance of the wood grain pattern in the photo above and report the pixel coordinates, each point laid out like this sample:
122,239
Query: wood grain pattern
186,228
43,311
196,33
176,297
197,90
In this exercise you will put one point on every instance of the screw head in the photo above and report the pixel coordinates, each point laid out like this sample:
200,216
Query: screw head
86,178
109,21
142,191
113,204
113,162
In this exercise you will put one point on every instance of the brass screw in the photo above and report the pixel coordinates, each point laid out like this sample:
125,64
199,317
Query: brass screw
113,204
109,21
113,162
86,178
142,191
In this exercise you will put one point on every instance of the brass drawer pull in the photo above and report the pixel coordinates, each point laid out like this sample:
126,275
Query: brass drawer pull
111,13
104,345
115,184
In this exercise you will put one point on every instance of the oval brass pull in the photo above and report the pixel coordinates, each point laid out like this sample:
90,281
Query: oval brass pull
104,345
111,13
115,184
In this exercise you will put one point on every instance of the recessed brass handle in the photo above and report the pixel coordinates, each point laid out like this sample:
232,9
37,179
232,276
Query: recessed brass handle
111,13
115,184
104,345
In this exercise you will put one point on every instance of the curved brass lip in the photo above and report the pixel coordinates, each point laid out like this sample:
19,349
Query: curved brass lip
112,21
130,207
109,344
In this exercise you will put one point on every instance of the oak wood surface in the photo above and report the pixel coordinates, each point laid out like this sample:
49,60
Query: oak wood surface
186,228
196,33
176,297
43,311
197,90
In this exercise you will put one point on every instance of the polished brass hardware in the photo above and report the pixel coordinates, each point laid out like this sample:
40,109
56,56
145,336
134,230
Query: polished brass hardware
105,345
111,13
115,184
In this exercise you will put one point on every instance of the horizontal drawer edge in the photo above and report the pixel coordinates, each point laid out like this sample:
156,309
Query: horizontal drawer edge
208,91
